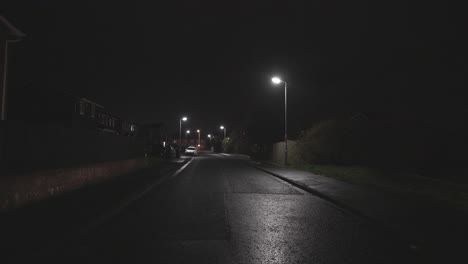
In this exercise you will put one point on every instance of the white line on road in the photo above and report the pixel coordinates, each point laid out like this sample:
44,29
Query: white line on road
181,169
106,216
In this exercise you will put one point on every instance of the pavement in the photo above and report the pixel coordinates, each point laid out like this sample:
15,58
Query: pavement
209,209
39,228
429,227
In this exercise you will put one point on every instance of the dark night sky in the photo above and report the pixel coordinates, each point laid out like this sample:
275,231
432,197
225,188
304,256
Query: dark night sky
148,61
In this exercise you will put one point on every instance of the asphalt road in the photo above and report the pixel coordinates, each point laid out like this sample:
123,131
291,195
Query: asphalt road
219,209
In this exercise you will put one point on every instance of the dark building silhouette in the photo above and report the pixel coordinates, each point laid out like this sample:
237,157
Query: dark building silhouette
8,34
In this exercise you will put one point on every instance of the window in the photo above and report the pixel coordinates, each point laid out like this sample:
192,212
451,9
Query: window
82,108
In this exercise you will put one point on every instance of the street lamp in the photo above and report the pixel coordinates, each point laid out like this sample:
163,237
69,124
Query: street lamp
223,128
198,131
211,143
180,128
277,80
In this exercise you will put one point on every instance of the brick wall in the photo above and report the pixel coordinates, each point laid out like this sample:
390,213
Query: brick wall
277,153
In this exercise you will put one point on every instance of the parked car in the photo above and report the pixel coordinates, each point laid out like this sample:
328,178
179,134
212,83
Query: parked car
191,151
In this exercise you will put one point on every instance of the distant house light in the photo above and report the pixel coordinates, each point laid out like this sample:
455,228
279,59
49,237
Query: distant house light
132,128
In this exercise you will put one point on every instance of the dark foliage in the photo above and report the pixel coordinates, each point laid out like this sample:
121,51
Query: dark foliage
412,145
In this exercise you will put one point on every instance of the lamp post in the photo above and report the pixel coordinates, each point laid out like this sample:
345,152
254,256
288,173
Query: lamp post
180,128
277,80
223,128
186,135
211,144
198,131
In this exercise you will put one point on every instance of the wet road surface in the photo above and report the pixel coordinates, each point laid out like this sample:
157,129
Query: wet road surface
221,210
217,209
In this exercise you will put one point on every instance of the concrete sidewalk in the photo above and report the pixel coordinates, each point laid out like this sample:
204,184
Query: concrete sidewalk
426,225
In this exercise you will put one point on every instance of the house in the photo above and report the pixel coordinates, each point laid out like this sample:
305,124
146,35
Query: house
8,34
92,115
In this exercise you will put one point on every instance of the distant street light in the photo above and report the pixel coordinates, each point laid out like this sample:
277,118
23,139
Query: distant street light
180,128
211,143
277,80
223,128
198,131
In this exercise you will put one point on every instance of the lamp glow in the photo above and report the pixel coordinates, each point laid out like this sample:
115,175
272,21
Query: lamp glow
184,118
276,80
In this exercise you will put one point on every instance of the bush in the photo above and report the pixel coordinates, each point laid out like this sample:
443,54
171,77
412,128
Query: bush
335,142
370,143
260,152
320,144
431,149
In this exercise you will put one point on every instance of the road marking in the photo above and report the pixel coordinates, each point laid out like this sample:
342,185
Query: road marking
109,214
181,169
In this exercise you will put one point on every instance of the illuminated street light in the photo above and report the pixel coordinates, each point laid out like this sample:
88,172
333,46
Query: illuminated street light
223,128
198,131
180,128
277,80
187,132
211,142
